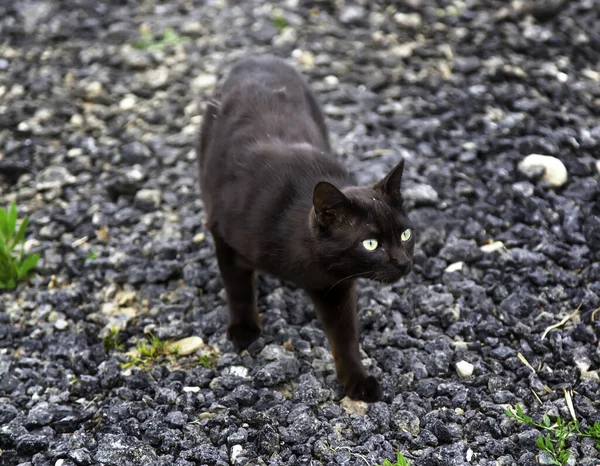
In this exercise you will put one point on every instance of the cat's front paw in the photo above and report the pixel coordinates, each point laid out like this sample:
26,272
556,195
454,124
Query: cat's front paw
364,389
242,335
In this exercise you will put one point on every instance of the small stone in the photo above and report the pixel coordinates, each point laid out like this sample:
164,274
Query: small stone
188,345
523,188
421,194
598,166
332,80
236,450
409,20
354,406
61,324
134,58
203,82
199,238
304,58
352,14
455,267
54,177
135,152
464,368
277,372
191,389
239,371
492,247
128,102
157,78
147,199
93,90
192,28
403,50
552,168
406,421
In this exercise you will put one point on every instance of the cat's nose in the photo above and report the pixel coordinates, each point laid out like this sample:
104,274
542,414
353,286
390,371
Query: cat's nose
402,263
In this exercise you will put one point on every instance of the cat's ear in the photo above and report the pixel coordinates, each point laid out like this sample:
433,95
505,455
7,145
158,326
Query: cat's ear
327,201
391,184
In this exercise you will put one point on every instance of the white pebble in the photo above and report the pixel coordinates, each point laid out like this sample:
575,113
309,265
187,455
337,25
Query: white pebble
235,451
204,82
191,389
199,238
492,247
598,166
239,371
554,170
128,102
332,80
464,368
61,324
93,89
188,345
455,267
469,454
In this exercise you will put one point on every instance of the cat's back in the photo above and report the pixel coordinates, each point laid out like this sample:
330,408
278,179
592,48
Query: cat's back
263,99
263,147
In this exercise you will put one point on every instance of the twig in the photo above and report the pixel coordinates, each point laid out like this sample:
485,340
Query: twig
525,361
562,322
569,401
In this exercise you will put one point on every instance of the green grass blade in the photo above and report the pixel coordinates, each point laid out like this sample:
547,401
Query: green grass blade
29,263
20,236
12,219
3,224
5,255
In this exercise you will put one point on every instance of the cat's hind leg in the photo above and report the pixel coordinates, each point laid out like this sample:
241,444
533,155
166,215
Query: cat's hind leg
240,287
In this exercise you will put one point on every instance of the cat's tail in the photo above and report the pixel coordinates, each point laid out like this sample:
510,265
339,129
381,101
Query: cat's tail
210,116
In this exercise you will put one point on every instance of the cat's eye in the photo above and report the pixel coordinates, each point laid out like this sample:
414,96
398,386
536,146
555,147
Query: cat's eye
406,234
370,244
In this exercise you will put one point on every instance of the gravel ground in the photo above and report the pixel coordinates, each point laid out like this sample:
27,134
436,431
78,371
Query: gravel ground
96,146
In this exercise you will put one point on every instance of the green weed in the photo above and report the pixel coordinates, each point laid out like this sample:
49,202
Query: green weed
111,340
279,22
208,361
169,38
400,461
554,441
14,264
149,350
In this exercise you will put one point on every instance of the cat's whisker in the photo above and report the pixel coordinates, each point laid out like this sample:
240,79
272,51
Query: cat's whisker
348,277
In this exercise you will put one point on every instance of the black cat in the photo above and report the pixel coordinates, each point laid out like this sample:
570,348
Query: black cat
278,201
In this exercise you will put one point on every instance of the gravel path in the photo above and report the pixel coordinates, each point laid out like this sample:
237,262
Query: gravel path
96,146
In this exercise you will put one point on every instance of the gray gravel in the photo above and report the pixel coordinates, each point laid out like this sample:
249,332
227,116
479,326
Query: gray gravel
96,146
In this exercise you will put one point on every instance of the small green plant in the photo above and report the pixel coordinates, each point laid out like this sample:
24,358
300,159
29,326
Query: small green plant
400,461
554,442
149,350
279,22
208,361
14,266
111,340
169,38
92,255
152,348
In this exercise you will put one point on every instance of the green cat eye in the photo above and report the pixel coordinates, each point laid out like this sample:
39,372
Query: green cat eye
370,244
406,234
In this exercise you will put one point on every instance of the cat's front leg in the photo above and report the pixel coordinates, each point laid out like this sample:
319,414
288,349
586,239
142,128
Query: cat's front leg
244,325
336,308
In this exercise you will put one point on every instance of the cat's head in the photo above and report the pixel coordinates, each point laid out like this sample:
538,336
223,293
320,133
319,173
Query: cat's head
364,231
